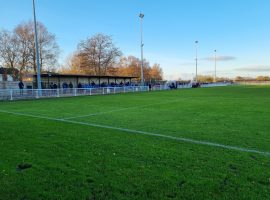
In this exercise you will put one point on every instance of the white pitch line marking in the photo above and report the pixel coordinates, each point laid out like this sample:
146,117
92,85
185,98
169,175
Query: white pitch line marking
187,140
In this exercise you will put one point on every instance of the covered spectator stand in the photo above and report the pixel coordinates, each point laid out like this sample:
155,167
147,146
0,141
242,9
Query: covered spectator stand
83,81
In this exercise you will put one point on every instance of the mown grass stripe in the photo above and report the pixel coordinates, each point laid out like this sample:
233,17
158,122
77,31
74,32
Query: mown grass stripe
187,140
121,109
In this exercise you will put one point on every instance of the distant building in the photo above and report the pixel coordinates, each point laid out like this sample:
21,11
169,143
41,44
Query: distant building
8,74
8,78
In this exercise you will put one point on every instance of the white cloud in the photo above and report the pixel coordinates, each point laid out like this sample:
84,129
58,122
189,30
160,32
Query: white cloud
254,68
220,58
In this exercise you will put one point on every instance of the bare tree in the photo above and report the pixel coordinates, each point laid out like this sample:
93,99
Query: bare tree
25,44
72,65
49,49
97,54
17,48
9,50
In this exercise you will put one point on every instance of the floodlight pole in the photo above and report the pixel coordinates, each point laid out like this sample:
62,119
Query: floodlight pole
142,44
196,76
215,77
37,50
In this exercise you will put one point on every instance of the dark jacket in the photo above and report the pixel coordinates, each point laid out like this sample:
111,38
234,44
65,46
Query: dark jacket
21,85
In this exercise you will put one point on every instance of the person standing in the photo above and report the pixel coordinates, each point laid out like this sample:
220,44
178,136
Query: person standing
54,86
70,85
21,86
51,86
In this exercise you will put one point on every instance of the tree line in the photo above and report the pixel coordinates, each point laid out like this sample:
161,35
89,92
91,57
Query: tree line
210,79
96,55
258,78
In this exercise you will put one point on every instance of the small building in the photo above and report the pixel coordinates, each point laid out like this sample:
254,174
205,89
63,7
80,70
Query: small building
8,74
79,80
8,78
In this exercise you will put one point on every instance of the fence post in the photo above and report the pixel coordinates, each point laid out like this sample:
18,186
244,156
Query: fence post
114,90
103,91
58,93
11,95
90,91
37,96
75,92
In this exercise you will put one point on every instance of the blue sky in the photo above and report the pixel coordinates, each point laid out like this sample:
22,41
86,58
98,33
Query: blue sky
238,29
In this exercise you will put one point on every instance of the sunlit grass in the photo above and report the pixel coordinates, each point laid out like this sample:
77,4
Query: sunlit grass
69,161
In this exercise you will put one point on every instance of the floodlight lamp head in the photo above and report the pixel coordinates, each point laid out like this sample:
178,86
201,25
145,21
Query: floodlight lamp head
141,15
196,41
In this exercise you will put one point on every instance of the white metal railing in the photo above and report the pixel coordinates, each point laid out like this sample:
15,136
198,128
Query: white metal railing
184,86
159,87
17,94
221,84
189,85
253,82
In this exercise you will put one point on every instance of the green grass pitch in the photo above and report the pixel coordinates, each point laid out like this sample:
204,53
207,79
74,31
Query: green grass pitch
209,143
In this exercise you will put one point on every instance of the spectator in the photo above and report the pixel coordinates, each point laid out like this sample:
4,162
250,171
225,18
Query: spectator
79,85
21,86
64,85
70,85
103,84
51,86
150,87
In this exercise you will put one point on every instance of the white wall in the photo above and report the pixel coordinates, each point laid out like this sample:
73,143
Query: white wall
9,78
9,85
